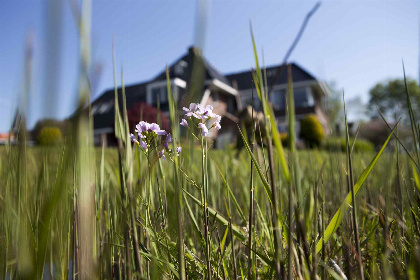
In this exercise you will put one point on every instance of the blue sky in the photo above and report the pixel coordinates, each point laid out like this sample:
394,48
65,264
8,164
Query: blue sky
354,43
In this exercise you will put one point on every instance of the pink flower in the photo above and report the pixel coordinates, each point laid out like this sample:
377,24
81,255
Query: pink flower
143,144
162,154
156,129
184,122
133,138
191,111
204,129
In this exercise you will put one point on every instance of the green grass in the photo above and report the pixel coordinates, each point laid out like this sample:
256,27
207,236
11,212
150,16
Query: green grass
73,211
380,196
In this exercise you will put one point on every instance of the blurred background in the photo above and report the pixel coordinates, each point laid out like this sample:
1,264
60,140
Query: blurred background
351,46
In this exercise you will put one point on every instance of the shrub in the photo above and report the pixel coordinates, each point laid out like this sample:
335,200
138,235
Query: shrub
62,125
284,139
338,144
49,136
311,131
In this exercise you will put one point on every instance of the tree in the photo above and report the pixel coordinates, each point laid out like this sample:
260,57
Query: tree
391,99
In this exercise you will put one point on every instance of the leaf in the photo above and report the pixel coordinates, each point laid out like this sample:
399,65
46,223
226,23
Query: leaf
191,214
236,230
259,171
118,123
232,196
269,114
412,119
222,242
338,217
416,178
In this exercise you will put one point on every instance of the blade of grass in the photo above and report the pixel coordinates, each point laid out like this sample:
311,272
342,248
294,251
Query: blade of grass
338,216
353,200
412,120
236,230
232,196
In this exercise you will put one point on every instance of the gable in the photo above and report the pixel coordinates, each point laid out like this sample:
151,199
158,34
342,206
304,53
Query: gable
182,68
243,80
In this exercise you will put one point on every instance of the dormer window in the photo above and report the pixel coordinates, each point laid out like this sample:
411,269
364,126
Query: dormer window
180,67
102,108
159,94
302,95
159,91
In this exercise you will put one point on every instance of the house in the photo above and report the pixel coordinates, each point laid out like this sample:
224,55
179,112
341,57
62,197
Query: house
228,94
309,94
210,87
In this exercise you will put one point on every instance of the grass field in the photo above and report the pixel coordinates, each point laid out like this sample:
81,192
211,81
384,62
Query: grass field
73,211
387,212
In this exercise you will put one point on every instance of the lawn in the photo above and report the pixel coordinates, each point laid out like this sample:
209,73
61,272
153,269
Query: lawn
387,214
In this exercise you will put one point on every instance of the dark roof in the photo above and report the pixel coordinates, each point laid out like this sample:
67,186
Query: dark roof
134,94
188,60
244,79
182,68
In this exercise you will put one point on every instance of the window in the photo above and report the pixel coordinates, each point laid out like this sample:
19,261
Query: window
231,105
104,107
282,127
161,94
159,91
94,109
215,96
180,67
256,103
278,99
303,98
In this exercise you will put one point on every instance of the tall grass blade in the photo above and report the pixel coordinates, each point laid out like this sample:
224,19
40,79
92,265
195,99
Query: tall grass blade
259,171
216,215
412,119
232,196
338,216
176,178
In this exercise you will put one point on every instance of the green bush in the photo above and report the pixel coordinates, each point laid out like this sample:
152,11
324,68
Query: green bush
49,136
338,144
284,138
311,131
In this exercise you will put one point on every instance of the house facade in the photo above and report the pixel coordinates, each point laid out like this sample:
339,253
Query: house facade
210,87
228,94
309,94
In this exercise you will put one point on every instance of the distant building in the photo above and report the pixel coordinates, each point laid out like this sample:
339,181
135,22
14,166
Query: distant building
5,138
308,92
228,94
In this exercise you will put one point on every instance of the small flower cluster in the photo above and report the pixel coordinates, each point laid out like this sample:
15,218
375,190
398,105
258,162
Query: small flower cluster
148,134
200,116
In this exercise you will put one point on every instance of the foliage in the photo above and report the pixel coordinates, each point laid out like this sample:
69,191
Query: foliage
391,99
284,138
62,125
376,132
49,136
338,144
311,131
206,213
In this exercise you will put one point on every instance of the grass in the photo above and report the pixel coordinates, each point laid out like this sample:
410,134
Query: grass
76,212
401,214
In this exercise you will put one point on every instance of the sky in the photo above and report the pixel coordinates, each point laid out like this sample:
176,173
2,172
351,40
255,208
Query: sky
353,43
